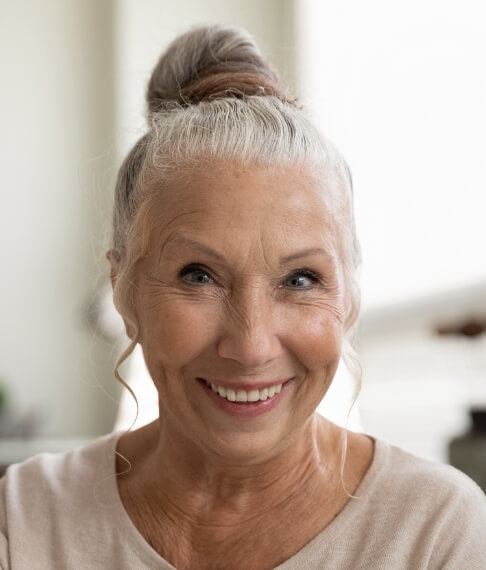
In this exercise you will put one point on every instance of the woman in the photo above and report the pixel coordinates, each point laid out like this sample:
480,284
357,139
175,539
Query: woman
234,265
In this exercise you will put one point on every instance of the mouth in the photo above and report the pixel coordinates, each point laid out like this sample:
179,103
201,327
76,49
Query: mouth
250,389
244,409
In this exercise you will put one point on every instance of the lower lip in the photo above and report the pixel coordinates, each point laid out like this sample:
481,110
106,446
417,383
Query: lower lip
246,410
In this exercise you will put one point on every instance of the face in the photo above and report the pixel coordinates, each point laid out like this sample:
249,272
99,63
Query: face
243,313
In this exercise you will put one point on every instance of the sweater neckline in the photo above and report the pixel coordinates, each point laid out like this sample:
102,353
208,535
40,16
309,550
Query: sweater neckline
147,554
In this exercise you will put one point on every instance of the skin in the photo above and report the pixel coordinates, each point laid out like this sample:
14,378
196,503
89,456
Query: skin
205,486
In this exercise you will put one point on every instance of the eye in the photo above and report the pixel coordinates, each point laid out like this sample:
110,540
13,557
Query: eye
202,276
193,269
307,273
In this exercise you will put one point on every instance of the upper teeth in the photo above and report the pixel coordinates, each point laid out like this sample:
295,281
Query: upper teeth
243,396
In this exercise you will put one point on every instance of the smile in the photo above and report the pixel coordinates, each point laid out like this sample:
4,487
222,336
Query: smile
246,405
244,395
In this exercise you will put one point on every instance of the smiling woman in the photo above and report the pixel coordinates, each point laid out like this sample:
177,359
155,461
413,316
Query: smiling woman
234,266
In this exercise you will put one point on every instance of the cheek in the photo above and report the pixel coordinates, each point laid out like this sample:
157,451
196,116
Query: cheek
175,333
317,341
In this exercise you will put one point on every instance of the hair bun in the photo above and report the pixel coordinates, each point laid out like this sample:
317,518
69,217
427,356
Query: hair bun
208,62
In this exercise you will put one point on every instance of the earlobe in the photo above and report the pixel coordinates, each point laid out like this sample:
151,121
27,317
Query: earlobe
113,257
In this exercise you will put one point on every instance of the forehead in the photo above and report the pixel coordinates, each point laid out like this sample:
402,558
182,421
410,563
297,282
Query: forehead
247,196
247,214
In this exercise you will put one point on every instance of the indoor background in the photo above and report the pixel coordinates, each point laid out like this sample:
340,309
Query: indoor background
398,87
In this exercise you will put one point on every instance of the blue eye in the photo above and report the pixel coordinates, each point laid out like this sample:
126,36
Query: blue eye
306,273
193,269
201,273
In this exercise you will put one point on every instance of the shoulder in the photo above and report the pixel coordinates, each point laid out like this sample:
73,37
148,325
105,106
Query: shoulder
420,477
43,498
420,482
57,473
437,504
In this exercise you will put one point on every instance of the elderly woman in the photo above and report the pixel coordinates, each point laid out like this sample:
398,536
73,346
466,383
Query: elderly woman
234,265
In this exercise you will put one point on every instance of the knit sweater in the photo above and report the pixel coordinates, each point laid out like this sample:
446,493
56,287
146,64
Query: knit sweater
63,511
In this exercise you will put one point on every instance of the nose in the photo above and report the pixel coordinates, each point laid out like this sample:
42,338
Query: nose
250,335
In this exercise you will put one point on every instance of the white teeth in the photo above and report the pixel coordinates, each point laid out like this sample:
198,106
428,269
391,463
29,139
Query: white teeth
242,396
221,391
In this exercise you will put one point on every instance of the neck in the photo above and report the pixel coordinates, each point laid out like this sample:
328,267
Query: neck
196,488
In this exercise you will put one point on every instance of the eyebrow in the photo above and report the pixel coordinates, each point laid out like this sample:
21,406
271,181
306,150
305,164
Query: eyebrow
285,259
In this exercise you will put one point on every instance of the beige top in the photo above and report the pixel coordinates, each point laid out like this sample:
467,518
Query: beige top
63,511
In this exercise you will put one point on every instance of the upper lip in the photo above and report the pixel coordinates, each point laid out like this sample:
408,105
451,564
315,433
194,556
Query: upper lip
248,386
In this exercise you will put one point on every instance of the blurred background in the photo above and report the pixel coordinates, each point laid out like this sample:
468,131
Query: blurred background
398,87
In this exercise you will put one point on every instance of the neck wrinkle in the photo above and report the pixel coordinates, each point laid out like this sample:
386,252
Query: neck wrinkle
277,488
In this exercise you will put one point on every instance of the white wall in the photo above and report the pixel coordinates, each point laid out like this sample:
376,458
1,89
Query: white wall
400,88
56,149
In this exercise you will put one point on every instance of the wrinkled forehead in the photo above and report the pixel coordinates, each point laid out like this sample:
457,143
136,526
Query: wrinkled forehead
244,195
248,215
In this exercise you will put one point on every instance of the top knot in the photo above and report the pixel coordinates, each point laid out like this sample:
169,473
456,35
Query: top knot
209,62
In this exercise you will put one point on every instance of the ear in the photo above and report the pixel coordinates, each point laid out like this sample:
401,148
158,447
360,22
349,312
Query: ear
114,258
